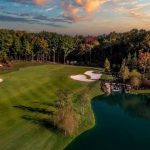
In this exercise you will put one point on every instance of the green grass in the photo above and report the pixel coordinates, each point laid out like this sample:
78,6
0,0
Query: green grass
106,77
16,65
146,91
27,90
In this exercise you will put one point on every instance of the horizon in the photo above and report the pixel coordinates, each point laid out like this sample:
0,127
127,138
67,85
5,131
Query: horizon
28,31
75,17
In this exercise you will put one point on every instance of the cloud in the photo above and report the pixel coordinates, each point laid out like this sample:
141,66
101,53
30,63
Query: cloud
73,10
80,10
37,2
41,2
83,10
23,18
134,9
2,8
70,12
90,5
50,9
52,20
14,19
21,1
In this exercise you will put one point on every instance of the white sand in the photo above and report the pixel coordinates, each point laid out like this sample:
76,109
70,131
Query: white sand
94,76
1,80
82,77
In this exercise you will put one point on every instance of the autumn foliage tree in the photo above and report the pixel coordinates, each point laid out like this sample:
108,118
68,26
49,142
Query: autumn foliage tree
135,78
26,49
129,59
41,48
134,60
66,120
144,60
6,41
107,65
90,43
124,73
84,50
67,45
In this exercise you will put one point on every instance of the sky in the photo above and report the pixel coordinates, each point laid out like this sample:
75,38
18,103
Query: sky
86,17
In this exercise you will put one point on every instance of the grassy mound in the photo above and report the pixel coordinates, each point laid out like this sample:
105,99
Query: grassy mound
26,96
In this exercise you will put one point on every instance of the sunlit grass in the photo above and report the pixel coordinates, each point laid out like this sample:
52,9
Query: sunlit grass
32,87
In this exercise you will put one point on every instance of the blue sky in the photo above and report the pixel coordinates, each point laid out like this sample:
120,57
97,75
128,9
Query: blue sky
75,16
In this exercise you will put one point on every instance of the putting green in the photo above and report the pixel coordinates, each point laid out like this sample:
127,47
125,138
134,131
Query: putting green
24,98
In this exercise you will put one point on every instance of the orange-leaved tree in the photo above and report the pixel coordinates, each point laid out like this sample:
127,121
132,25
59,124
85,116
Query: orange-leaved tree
144,60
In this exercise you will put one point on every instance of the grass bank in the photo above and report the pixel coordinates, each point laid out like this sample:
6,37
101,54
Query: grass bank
145,91
25,96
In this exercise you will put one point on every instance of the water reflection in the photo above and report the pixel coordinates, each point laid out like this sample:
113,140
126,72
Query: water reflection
122,123
134,105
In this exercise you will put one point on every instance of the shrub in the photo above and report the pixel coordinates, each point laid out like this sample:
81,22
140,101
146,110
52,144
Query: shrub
107,65
66,120
135,78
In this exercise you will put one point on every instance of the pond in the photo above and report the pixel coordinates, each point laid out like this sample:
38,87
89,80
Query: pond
122,123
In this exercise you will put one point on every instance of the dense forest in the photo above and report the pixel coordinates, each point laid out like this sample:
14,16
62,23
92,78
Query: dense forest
125,58
80,50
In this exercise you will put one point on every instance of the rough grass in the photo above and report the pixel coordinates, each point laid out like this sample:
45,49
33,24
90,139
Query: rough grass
145,91
106,77
26,98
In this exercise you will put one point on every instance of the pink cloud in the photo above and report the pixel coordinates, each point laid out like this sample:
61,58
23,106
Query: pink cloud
76,10
90,5
41,2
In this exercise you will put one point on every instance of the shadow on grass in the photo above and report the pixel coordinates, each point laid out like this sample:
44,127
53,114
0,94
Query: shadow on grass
44,122
37,110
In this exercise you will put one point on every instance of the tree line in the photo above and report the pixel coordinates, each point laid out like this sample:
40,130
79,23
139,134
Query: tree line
90,50
134,71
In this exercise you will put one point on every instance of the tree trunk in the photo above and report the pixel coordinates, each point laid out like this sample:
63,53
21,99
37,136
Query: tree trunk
37,57
15,56
49,57
46,58
25,57
32,57
54,57
58,57
43,58
64,59
90,57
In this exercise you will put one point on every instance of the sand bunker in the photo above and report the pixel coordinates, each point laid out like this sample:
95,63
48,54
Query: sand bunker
93,75
83,77
1,80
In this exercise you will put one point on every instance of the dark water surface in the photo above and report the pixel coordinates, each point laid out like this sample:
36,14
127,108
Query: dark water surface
122,123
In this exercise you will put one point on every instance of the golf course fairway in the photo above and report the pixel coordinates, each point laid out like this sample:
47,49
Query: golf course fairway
25,95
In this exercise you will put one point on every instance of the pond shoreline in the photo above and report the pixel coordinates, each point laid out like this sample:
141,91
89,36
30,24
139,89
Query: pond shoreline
116,111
